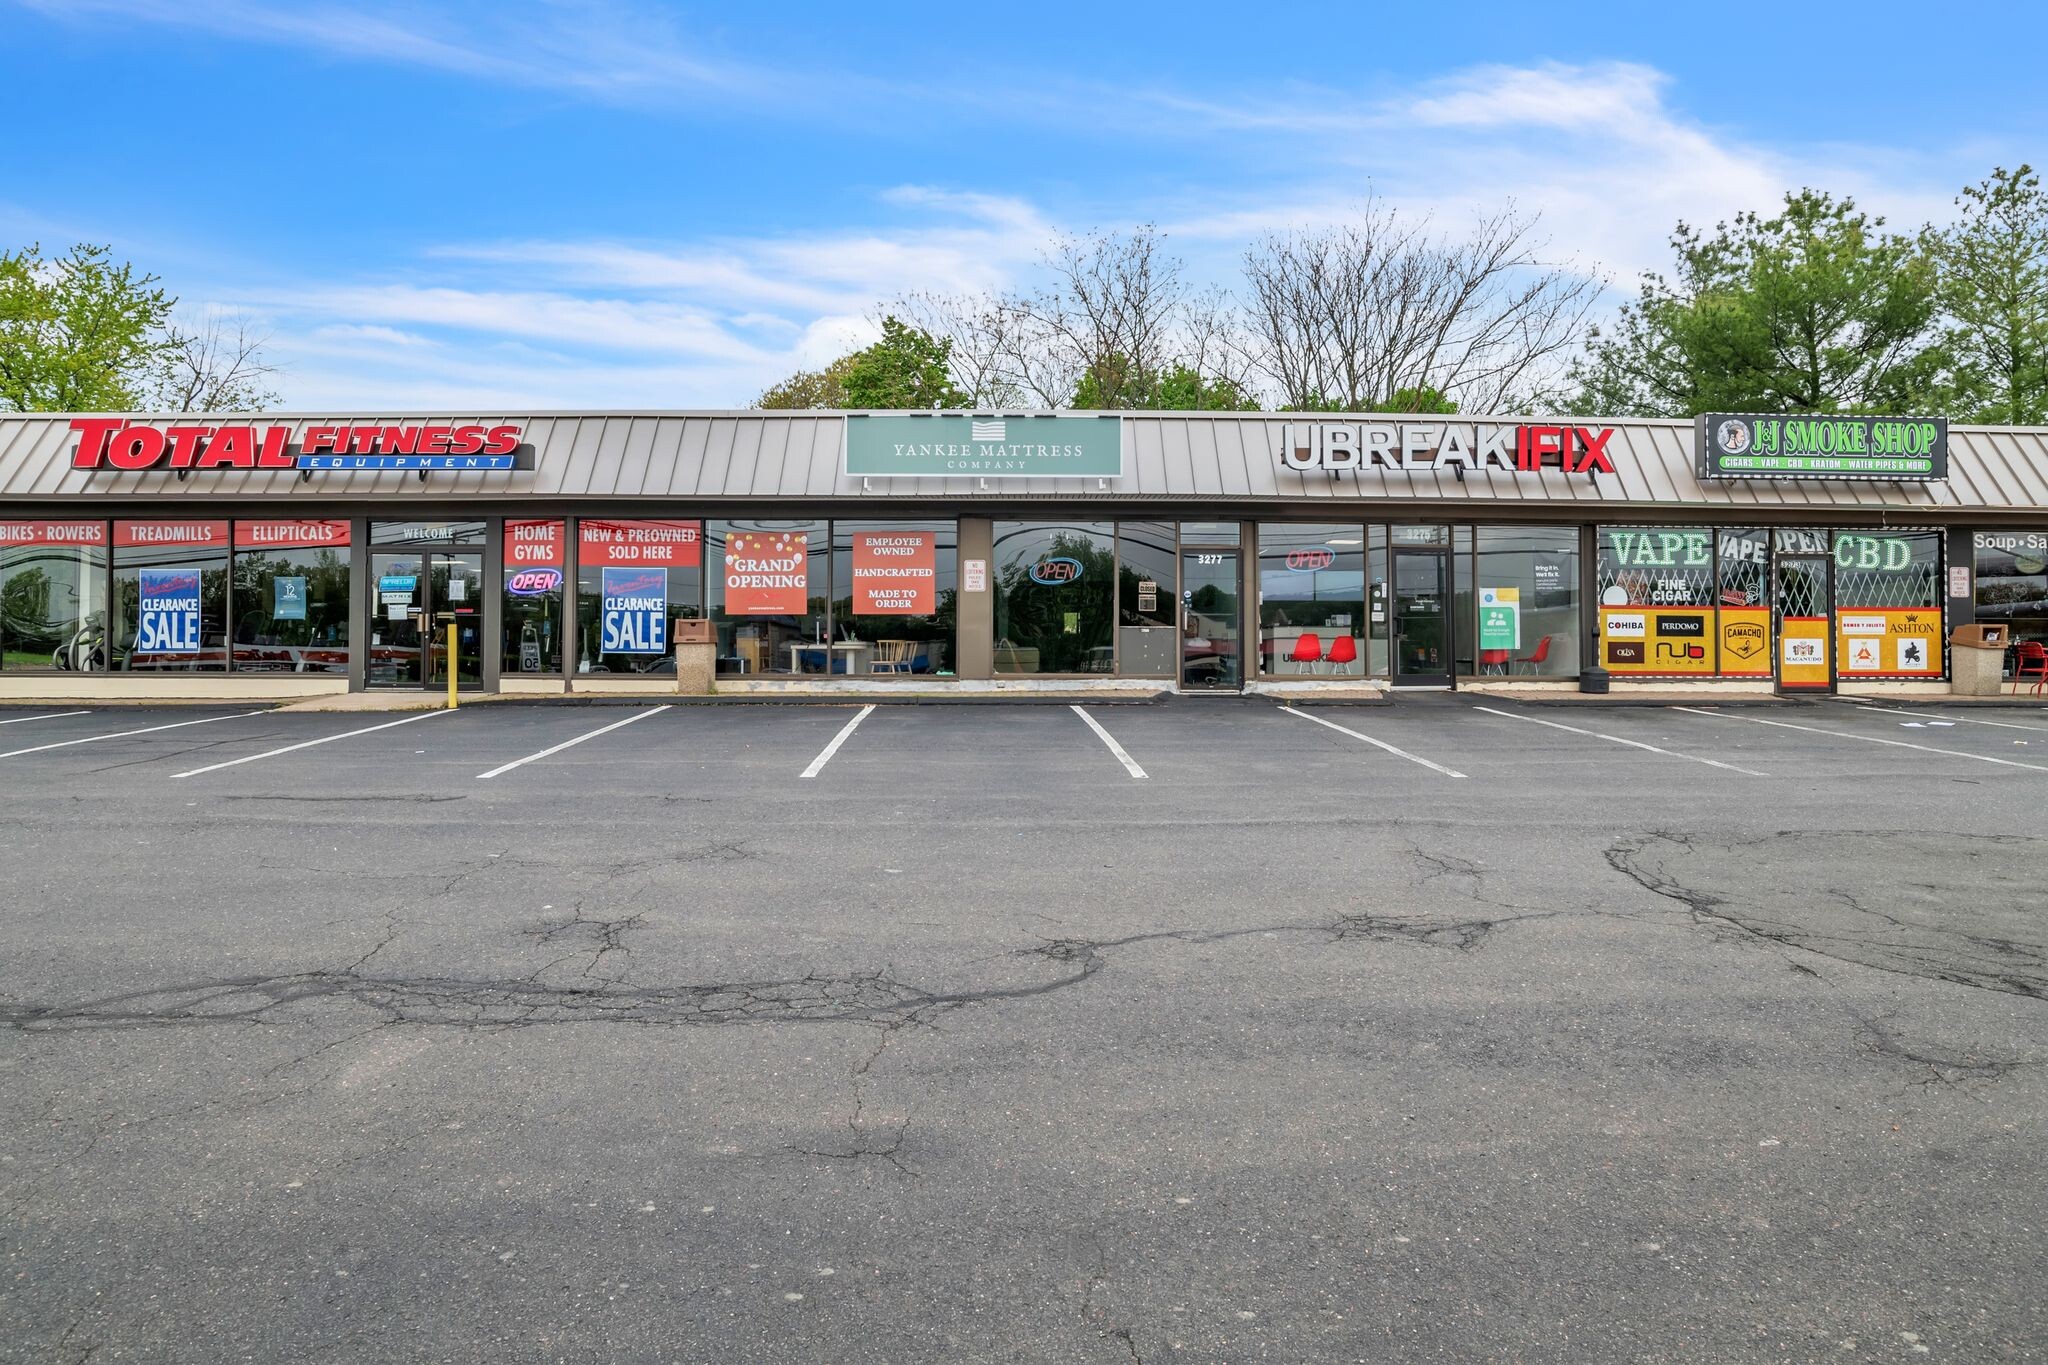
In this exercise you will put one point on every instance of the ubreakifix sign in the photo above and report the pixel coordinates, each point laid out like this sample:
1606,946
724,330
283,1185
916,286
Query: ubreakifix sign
952,446
1524,448
1739,445
113,443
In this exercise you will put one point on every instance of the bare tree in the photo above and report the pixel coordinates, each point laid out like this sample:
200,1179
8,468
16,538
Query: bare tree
1348,317
218,368
979,326
1109,324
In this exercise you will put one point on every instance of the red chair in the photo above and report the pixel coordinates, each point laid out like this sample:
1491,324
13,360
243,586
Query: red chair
1308,651
1535,661
1343,650
1494,658
2033,659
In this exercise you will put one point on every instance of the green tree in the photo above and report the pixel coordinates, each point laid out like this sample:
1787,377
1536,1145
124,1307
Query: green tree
1815,310
78,333
824,388
1112,383
1416,400
1993,289
907,368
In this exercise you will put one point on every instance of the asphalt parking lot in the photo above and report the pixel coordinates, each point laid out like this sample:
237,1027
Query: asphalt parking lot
1208,1030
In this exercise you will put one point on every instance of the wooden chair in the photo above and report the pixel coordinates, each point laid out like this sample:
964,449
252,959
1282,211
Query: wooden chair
894,656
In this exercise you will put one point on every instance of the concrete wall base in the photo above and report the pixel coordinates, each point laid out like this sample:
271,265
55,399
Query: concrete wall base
160,687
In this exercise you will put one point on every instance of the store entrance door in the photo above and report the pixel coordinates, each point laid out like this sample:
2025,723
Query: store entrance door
419,593
1211,616
1802,594
1422,624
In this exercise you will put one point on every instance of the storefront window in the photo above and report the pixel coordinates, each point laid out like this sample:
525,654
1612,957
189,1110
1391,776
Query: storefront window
170,592
1528,622
1888,604
1055,597
1312,599
2011,584
1657,598
531,623
291,596
53,609
899,587
769,593
1742,576
634,580
1148,631
1463,600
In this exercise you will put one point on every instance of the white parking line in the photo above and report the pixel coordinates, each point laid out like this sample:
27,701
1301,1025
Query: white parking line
1966,720
123,734
1376,743
818,763
1867,739
572,743
1130,764
1617,739
308,744
54,715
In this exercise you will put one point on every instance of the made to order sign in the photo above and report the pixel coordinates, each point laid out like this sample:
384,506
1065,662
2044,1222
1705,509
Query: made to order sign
1737,445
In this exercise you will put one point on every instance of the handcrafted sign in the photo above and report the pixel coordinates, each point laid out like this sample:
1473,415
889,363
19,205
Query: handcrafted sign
1500,618
635,611
949,445
1350,446
666,544
767,573
112,443
167,617
290,535
73,533
534,545
1754,446
1901,642
895,573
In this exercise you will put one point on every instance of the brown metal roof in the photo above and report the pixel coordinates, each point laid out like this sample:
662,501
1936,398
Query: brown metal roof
762,457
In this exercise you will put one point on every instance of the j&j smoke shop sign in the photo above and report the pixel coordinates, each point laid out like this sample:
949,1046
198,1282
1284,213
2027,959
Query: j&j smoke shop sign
1735,445
952,446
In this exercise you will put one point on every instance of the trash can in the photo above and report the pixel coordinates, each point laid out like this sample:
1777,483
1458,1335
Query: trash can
696,655
1976,657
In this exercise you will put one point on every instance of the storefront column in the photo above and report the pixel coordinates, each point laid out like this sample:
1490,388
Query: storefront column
361,593
1589,598
490,648
975,612
1961,554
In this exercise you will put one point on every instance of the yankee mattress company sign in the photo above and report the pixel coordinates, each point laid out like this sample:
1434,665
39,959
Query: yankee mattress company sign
1351,446
952,446
113,443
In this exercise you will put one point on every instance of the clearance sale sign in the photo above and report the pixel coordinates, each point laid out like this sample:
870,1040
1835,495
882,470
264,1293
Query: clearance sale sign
767,573
895,573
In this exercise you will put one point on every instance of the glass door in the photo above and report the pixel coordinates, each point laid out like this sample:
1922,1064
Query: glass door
455,586
1211,618
1802,591
397,605
1422,625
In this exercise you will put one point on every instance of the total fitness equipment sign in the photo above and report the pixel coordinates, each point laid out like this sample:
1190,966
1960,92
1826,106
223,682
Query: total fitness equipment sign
956,445
1735,445
113,443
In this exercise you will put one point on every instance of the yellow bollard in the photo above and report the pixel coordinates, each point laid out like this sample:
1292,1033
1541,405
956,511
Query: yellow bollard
451,665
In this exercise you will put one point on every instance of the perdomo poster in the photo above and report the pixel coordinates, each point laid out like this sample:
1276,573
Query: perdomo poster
894,573
767,573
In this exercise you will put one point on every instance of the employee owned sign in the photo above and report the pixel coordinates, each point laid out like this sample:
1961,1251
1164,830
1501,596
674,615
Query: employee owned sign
895,573
767,573
957,445
635,611
168,619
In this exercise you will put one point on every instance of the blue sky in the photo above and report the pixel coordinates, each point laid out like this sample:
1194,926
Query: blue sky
502,206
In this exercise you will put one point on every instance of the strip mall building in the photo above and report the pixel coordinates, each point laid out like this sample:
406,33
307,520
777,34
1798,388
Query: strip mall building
274,555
